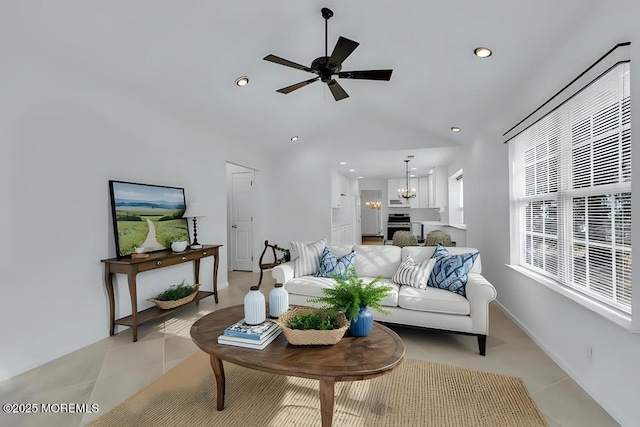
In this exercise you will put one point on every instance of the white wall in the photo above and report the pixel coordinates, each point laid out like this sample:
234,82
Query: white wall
564,329
299,201
66,134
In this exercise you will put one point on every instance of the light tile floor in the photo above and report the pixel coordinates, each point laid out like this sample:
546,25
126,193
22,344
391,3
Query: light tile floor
114,368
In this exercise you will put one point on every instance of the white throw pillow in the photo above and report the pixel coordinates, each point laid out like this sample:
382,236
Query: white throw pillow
306,257
415,275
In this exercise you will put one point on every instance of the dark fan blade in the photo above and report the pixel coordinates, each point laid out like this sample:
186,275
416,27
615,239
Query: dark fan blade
287,63
291,88
337,91
367,75
344,48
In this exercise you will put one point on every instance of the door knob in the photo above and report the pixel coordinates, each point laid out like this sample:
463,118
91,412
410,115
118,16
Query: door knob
234,226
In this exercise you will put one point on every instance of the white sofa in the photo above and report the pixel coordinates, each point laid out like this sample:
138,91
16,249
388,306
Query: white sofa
429,308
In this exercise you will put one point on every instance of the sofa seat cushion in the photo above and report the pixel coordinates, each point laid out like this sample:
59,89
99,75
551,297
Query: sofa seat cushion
433,300
311,286
391,300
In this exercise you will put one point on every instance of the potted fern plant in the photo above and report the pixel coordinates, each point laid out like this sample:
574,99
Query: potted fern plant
355,298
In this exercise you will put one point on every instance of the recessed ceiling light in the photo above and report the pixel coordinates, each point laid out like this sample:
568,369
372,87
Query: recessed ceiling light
360,177
352,170
294,138
242,81
343,163
412,176
413,169
482,52
455,129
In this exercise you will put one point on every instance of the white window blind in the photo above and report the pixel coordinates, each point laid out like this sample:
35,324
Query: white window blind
572,191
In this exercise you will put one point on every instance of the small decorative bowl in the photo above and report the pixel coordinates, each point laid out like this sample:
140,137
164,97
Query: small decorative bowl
179,246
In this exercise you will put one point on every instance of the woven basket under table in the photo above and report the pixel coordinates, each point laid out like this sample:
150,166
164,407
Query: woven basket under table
311,336
166,305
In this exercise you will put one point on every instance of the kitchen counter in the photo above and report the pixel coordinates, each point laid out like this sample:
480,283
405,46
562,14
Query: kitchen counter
458,231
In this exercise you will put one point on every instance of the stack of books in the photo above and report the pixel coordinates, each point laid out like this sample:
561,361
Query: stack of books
250,336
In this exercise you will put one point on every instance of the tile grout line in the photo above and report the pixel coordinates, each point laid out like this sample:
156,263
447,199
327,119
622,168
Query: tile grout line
550,385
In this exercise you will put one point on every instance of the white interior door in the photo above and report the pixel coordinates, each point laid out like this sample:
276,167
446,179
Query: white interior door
242,221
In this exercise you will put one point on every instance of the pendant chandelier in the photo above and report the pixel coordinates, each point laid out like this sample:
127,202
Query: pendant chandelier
407,192
374,205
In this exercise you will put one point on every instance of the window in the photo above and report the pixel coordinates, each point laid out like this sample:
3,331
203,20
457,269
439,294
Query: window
571,183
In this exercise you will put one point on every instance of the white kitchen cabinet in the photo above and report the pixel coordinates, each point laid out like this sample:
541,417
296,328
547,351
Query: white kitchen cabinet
339,188
423,192
342,235
414,183
394,201
438,187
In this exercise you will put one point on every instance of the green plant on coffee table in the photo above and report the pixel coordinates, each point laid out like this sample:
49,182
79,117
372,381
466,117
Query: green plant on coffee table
176,292
351,293
322,320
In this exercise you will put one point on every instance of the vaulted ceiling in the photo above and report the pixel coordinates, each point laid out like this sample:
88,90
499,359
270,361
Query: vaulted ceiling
186,56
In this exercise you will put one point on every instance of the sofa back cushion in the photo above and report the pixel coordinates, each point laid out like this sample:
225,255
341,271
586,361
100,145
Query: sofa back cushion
375,260
421,253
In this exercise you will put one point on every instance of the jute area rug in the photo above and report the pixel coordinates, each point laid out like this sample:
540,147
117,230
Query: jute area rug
416,393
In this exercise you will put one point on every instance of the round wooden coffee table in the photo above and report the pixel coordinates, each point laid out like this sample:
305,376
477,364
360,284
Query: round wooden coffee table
352,359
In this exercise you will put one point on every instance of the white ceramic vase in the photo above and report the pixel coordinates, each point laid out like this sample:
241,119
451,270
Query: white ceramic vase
278,301
255,310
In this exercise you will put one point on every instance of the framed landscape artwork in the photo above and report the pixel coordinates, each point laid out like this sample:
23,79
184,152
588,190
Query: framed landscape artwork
148,217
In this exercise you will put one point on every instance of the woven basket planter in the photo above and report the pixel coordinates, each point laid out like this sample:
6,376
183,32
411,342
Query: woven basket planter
166,305
311,336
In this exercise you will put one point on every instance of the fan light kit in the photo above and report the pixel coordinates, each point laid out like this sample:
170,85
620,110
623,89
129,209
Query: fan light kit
328,66
242,81
482,52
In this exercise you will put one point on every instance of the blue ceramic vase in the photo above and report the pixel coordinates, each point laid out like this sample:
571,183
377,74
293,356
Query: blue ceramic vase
362,327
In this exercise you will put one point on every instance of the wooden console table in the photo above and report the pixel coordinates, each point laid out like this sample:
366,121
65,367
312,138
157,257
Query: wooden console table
131,267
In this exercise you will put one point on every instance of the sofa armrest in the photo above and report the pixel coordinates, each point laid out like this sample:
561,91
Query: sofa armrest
479,293
283,273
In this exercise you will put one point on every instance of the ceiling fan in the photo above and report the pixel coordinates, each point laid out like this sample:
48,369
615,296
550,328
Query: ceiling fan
328,66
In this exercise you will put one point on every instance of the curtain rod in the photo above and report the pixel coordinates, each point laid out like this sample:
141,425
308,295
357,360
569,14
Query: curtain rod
566,86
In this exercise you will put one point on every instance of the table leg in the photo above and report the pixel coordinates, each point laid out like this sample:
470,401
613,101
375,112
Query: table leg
133,294
215,274
218,370
108,282
326,400
196,274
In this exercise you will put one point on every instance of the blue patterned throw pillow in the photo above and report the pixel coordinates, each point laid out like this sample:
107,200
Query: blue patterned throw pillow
451,271
329,264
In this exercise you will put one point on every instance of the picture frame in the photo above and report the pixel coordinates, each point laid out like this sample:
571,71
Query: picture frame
147,218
